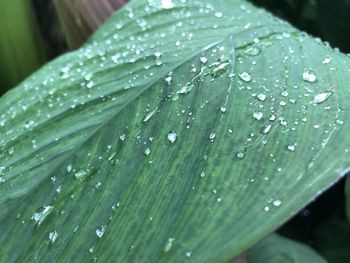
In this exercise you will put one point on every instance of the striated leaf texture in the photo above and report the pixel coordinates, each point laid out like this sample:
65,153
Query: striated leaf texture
183,130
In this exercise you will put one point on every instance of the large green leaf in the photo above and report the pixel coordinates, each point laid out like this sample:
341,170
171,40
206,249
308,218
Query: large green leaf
278,249
181,130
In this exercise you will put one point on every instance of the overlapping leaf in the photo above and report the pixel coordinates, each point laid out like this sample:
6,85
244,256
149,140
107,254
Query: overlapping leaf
276,248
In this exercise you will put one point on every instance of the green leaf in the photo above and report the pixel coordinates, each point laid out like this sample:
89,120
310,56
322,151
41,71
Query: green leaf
181,130
21,50
276,249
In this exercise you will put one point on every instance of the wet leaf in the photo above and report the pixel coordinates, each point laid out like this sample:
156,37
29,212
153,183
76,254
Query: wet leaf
183,130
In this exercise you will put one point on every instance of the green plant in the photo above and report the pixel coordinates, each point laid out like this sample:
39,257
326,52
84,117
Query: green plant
180,131
20,43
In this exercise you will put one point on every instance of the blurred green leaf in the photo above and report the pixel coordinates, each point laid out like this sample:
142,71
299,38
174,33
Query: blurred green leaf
278,249
180,131
20,47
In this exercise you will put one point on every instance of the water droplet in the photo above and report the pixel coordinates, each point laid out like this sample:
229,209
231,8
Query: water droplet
167,4
64,72
168,79
252,51
284,93
223,109
188,254
147,151
291,148
212,136
80,174
69,168
168,245
326,60
258,115
218,14
53,236
90,84
240,155
149,115
88,76
40,215
245,76
203,60
309,76
122,137
172,136
218,69
277,203
266,208
321,97
186,89
100,231
261,97
267,129
202,174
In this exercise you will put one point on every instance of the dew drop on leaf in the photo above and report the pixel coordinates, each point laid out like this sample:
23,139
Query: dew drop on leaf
122,137
172,136
326,60
309,76
267,129
321,97
258,115
240,155
212,136
284,93
261,97
168,245
147,151
40,215
252,51
291,148
245,76
80,174
53,236
203,60
69,168
277,203
167,4
186,88
100,231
